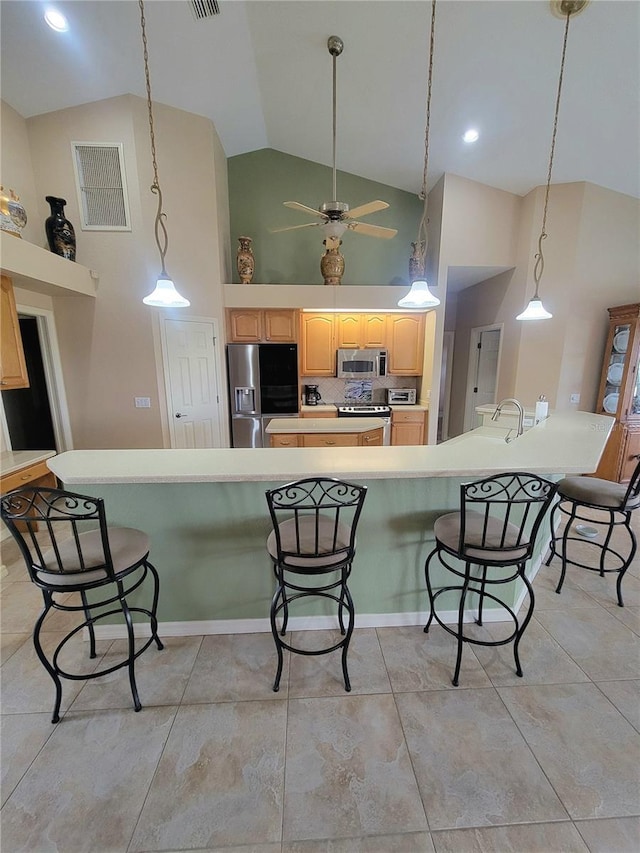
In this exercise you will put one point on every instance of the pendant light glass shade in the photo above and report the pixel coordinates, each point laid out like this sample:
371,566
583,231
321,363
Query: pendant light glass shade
419,296
535,310
165,295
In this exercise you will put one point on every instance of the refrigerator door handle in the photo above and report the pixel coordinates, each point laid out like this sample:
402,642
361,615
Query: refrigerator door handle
245,398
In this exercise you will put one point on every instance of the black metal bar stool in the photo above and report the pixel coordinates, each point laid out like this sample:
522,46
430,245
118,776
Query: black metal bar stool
68,547
312,546
615,502
493,534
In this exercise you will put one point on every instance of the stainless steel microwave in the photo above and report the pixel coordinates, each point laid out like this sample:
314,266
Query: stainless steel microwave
361,363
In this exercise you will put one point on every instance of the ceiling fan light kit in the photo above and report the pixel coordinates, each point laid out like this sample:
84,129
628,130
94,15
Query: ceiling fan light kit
535,310
335,217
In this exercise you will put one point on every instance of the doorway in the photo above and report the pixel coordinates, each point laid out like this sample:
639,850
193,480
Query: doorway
192,382
36,418
482,378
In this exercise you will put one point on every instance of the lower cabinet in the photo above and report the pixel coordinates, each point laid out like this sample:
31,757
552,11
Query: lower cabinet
408,427
37,474
370,438
630,454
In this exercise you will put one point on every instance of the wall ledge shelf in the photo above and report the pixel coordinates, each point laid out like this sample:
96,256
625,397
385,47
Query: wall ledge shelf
33,268
315,296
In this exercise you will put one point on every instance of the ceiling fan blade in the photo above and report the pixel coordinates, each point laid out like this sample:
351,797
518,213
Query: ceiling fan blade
295,205
372,230
294,227
366,209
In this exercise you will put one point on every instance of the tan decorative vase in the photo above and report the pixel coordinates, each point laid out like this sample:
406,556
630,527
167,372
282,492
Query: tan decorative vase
245,260
13,216
332,262
416,262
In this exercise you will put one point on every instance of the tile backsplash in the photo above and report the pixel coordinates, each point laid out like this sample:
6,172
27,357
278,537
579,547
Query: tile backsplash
333,390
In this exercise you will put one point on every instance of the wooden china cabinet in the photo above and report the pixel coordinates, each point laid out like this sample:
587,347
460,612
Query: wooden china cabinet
619,393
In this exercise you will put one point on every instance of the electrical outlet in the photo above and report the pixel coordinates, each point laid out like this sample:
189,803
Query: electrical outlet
142,402
574,398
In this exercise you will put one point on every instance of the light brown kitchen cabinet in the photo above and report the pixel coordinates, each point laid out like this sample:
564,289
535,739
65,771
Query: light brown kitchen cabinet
252,325
361,331
405,342
318,356
13,368
322,414
36,474
408,427
349,331
374,331
619,393
370,438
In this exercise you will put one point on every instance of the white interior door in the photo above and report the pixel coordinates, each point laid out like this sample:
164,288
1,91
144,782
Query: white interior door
484,359
192,383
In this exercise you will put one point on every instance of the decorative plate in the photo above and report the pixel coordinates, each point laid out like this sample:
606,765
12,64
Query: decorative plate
610,403
621,341
614,374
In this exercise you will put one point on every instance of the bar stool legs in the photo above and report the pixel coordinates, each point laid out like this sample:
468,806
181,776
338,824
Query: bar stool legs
612,518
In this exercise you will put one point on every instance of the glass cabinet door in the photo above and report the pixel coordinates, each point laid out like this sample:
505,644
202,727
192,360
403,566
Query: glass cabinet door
615,371
634,408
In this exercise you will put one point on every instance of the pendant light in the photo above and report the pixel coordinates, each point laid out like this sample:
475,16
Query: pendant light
165,294
535,310
420,296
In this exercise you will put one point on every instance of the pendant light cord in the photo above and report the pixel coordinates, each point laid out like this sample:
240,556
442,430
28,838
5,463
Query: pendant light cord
421,243
162,238
539,257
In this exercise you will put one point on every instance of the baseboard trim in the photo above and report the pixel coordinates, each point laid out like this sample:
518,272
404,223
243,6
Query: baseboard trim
296,623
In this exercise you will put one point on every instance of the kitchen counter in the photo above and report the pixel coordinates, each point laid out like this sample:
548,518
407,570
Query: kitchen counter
206,515
315,425
568,443
15,460
321,407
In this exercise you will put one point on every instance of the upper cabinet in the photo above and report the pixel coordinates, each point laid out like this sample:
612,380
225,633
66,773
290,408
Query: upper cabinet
318,355
405,342
401,334
13,368
252,325
619,393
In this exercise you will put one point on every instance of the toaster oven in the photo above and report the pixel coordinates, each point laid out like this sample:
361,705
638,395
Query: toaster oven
401,396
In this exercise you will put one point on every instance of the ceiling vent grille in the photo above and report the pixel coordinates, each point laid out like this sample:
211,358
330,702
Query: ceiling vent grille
101,186
204,8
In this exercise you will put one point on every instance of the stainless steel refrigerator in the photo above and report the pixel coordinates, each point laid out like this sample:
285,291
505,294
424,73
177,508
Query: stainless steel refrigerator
263,384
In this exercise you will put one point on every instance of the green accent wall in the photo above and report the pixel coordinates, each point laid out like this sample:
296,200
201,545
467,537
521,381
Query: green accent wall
259,183
208,542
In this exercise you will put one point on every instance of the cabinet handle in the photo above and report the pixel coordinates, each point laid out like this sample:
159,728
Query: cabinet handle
3,382
327,442
25,477
284,443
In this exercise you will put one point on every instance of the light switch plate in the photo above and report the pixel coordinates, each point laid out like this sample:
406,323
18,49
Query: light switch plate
574,398
142,402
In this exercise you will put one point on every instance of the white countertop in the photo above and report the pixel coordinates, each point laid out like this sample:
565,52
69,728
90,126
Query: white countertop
294,425
565,443
321,407
14,460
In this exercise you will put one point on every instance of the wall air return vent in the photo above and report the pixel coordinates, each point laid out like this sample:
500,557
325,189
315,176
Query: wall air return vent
101,186
204,8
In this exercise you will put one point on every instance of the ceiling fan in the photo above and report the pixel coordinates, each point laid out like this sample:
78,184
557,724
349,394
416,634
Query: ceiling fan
334,216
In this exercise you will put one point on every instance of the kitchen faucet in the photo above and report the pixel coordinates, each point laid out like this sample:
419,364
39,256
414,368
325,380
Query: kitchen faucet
520,409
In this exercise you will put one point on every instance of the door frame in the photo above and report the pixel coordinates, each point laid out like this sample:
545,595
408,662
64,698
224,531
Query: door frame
449,337
474,340
168,425
54,377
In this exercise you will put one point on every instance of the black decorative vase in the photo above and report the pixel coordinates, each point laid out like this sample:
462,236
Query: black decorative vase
60,234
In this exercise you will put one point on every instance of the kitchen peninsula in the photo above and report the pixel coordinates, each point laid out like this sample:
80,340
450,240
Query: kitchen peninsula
206,514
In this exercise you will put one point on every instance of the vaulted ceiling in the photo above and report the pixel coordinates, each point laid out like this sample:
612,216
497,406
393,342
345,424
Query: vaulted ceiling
262,73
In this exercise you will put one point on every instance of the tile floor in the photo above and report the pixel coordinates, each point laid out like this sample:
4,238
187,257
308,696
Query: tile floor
216,761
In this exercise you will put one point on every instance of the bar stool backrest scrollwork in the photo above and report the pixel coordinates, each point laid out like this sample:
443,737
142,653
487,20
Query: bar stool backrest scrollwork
502,514
48,524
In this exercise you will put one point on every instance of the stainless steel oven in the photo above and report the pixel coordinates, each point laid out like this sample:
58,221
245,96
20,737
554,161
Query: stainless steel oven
383,412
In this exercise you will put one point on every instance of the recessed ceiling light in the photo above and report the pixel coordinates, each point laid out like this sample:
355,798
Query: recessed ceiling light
471,135
56,20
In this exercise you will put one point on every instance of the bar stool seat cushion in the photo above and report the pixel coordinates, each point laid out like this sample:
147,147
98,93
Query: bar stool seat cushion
322,553
128,547
447,531
596,492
